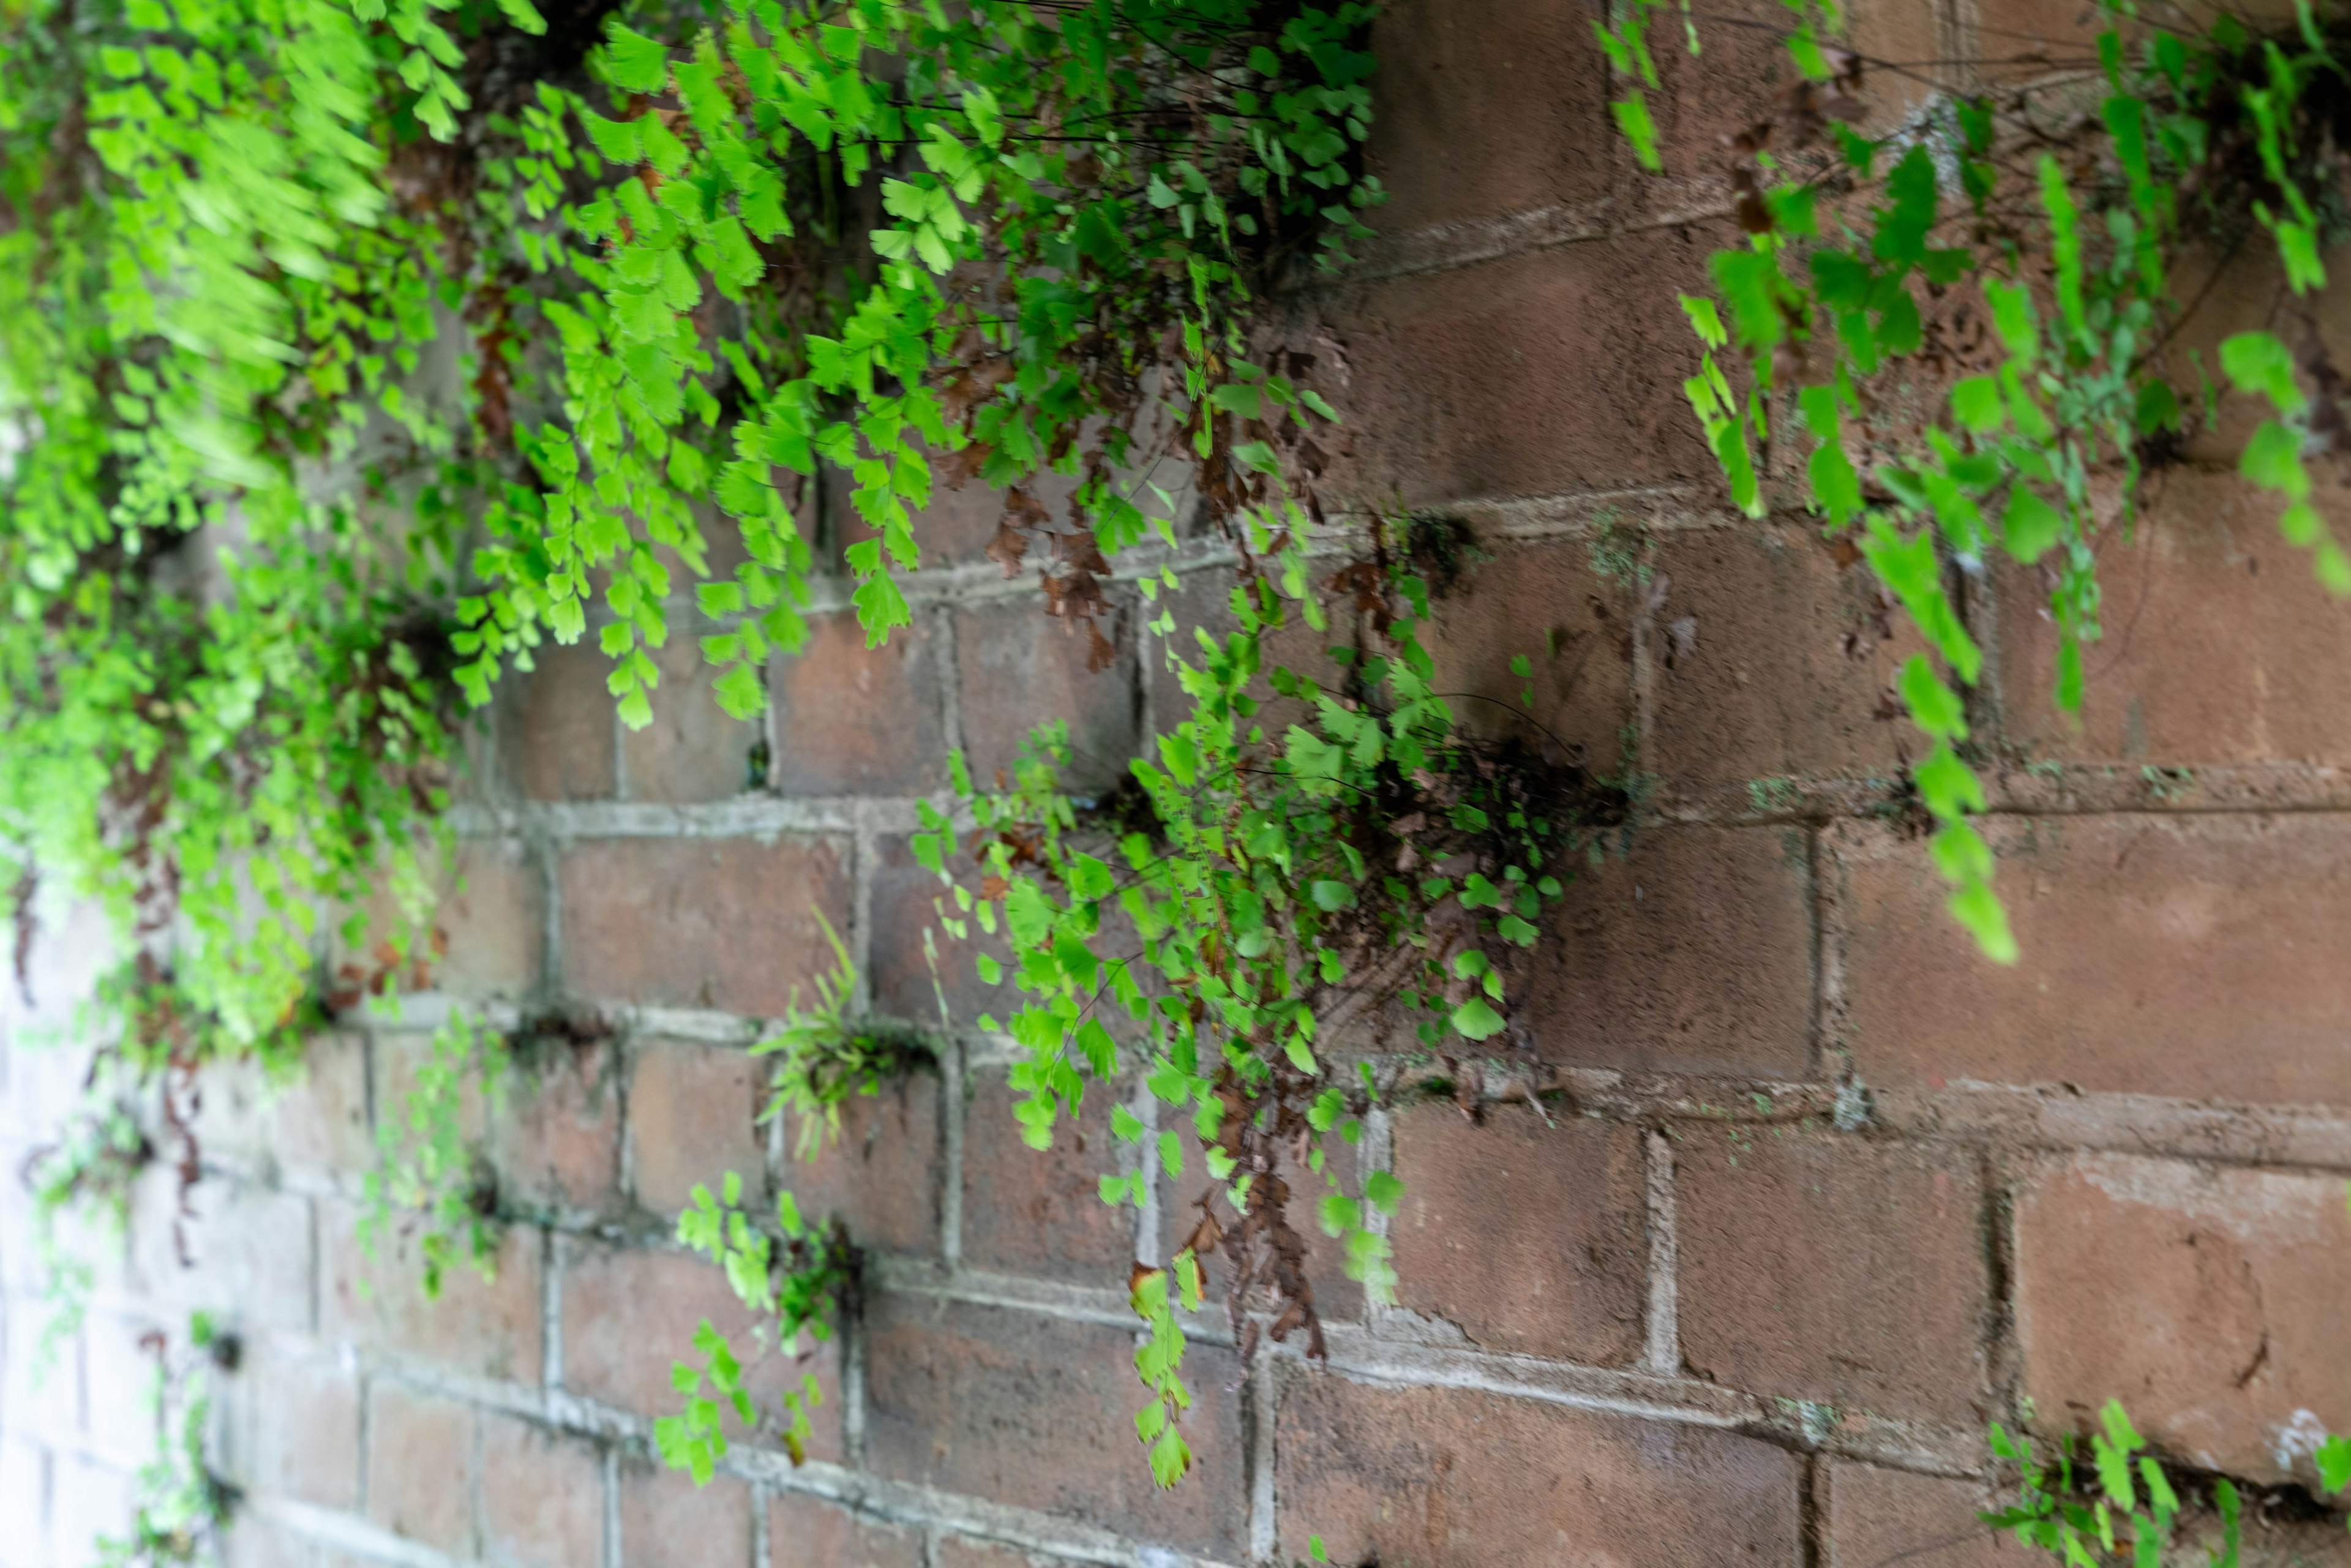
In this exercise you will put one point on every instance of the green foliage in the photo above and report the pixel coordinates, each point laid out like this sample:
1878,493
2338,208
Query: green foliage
429,1180
178,1507
828,1056
87,1175
1837,305
1368,853
797,1278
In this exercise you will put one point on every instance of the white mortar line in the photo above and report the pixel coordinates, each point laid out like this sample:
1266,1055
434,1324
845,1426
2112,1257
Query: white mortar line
1264,1393
1662,1354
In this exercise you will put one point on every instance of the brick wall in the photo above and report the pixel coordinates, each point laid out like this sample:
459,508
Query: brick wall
1813,1195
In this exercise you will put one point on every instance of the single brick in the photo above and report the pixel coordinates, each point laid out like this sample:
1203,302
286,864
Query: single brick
1017,667
117,1372
300,1421
1881,1517
1534,133
956,1552
1445,1478
808,1533
2198,957
318,1122
420,1467
907,900
252,1542
694,749
691,1121
1818,1266
2219,645
882,1174
1546,604
493,915
1506,378
630,1316
557,1142
728,924
1692,952
857,720
237,1243
1036,1412
542,1497
667,1522
1531,1238
1773,659
1027,1211
2208,1300
557,727
485,1327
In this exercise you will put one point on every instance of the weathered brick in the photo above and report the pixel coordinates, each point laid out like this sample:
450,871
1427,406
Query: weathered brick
1445,1478
1819,1266
2219,645
1027,1211
1531,1238
694,749
23,1499
2208,1300
299,1418
907,899
558,1140
1017,667
1484,109
420,1467
691,1111
702,923
1544,603
1691,952
318,1122
629,1316
666,1521
2190,956
956,1552
881,1176
1879,1516
490,1328
807,1532
1036,1412
558,726
855,720
542,1497
493,917
1772,661
1337,1297
1507,378
243,1243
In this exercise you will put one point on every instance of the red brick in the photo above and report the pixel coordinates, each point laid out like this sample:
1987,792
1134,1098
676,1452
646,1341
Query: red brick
2208,1301
1544,603
630,1316
806,1532
318,1121
1879,1516
691,1110
2219,645
667,1522
882,1174
2198,957
1036,1412
1817,1265
1531,1238
907,900
420,1464
1507,377
694,749
1771,664
301,1420
1485,109
557,1141
244,1243
856,721
1337,1297
542,1497
701,923
559,725
954,1552
1445,1478
1041,1213
494,916
1018,667
1691,952
490,1328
